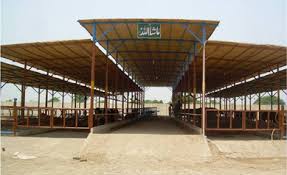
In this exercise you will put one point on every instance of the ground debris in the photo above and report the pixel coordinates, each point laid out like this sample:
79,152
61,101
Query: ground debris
22,156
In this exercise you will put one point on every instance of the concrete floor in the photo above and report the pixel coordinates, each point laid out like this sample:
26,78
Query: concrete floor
146,147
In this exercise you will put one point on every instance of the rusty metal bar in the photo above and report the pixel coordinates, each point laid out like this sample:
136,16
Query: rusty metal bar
250,98
53,98
39,97
23,93
230,119
64,118
28,118
72,100
75,103
39,117
217,119
46,96
85,105
203,89
106,91
239,129
271,99
123,105
127,103
220,103
15,116
194,85
39,100
268,120
281,122
76,118
244,120
91,111
52,118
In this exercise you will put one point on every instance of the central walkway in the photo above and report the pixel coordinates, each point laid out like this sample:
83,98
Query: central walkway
153,126
147,145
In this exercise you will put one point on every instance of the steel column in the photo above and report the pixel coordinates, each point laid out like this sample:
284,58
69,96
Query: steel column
46,100
91,111
23,93
271,99
39,97
75,104
127,102
203,90
123,105
106,91
63,99
53,98
194,85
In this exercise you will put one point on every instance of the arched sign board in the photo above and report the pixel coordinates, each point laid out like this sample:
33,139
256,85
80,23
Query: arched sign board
148,31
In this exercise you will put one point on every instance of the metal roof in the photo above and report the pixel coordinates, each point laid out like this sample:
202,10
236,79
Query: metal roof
271,82
231,62
153,62
71,59
17,75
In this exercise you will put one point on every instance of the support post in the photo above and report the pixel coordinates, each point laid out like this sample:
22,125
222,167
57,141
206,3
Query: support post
259,101
250,99
63,106
220,103
39,97
106,91
127,102
39,102
91,111
203,83
271,99
123,105
85,105
245,103
278,95
52,98
23,93
63,99
194,85
46,100
75,104
15,116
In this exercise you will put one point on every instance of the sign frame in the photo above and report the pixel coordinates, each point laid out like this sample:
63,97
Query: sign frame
150,25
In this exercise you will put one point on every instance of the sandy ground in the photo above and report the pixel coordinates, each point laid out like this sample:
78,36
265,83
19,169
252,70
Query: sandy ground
147,147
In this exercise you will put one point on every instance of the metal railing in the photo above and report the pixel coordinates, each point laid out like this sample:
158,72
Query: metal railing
241,120
70,118
238,120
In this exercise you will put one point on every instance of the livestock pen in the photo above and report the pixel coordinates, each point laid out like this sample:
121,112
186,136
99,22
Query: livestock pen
124,56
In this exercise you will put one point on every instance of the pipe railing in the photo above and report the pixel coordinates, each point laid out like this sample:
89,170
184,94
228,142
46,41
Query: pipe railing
237,120
75,118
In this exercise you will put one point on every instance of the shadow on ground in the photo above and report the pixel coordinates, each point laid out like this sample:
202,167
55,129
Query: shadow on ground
157,126
63,134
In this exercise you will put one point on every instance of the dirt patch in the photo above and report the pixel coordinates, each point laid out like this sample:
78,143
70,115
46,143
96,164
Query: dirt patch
148,148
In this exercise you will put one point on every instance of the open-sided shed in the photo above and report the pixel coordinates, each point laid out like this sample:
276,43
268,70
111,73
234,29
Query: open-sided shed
162,52
70,59
17,75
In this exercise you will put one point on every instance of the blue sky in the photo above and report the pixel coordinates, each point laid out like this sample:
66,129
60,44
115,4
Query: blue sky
252,21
